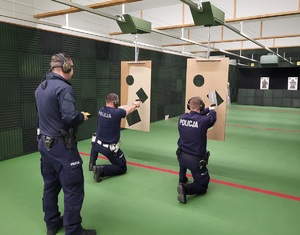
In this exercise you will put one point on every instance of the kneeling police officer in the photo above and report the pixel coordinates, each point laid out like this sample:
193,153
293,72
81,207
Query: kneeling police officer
107,138
192,153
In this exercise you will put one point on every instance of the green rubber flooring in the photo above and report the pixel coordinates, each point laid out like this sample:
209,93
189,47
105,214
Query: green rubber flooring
254,187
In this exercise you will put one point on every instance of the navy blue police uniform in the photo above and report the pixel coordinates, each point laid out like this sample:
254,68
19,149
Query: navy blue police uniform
61,164
192,150
108,136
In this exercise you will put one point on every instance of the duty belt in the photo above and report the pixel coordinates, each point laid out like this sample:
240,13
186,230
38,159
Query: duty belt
57,139
49,141
191,156
101,143
203,160
112,147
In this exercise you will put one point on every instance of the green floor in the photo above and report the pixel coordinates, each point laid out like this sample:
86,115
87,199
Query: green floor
261,152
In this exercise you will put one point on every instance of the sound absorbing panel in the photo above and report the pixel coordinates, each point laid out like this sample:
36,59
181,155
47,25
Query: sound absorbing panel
87,48
11,143
29,40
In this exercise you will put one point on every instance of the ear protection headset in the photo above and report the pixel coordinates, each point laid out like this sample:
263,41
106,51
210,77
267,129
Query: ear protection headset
202,105
65,66
113,97
116,100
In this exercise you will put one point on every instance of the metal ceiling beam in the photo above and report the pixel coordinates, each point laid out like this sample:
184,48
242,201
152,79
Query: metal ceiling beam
205,46
87,9
222,22
252,40
31,20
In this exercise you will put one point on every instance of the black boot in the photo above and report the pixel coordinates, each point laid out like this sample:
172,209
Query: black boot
181,189
184,180
91,164
98,173
59,225
88,232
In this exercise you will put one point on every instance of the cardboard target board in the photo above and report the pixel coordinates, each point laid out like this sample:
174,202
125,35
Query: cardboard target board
136,84
208,79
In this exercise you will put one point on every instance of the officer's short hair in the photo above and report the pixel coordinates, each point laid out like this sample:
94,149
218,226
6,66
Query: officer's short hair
112,97
196,103
57,61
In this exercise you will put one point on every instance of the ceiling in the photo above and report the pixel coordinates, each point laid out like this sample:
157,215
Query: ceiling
249,29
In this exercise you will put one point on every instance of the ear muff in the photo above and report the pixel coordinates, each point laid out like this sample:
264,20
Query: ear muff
116,101
202,105
188,104
65,66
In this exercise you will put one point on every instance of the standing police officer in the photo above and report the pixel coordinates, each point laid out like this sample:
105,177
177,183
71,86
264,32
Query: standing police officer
107,139
191,152
61,164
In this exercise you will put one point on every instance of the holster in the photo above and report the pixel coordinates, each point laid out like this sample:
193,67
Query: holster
115,147
48,141
207,156
69,138
178,153
94,136
204,160
38,134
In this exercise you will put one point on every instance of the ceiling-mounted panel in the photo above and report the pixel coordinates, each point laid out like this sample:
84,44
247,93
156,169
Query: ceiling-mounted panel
210,16
134,25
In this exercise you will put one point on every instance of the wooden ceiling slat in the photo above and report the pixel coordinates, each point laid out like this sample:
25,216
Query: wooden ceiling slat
259,17
282,14
93,6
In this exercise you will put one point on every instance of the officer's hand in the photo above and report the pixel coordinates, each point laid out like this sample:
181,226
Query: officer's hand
212,107
85,116
137,103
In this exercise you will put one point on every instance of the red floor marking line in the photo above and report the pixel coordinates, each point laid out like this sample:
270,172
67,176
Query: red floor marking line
84,154
240,186
258,190
140,165
153,168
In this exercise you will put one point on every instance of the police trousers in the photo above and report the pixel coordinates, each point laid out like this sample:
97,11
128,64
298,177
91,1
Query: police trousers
200,174
61,168
118,161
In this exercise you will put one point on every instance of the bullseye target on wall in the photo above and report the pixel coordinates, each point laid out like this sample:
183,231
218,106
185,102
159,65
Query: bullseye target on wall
136,84
208,79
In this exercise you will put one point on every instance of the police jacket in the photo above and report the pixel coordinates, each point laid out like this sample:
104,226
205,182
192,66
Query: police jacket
56,106
193,128
109,120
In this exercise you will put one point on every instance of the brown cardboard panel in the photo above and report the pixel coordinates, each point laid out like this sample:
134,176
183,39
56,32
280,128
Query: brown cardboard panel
208,78
136,84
